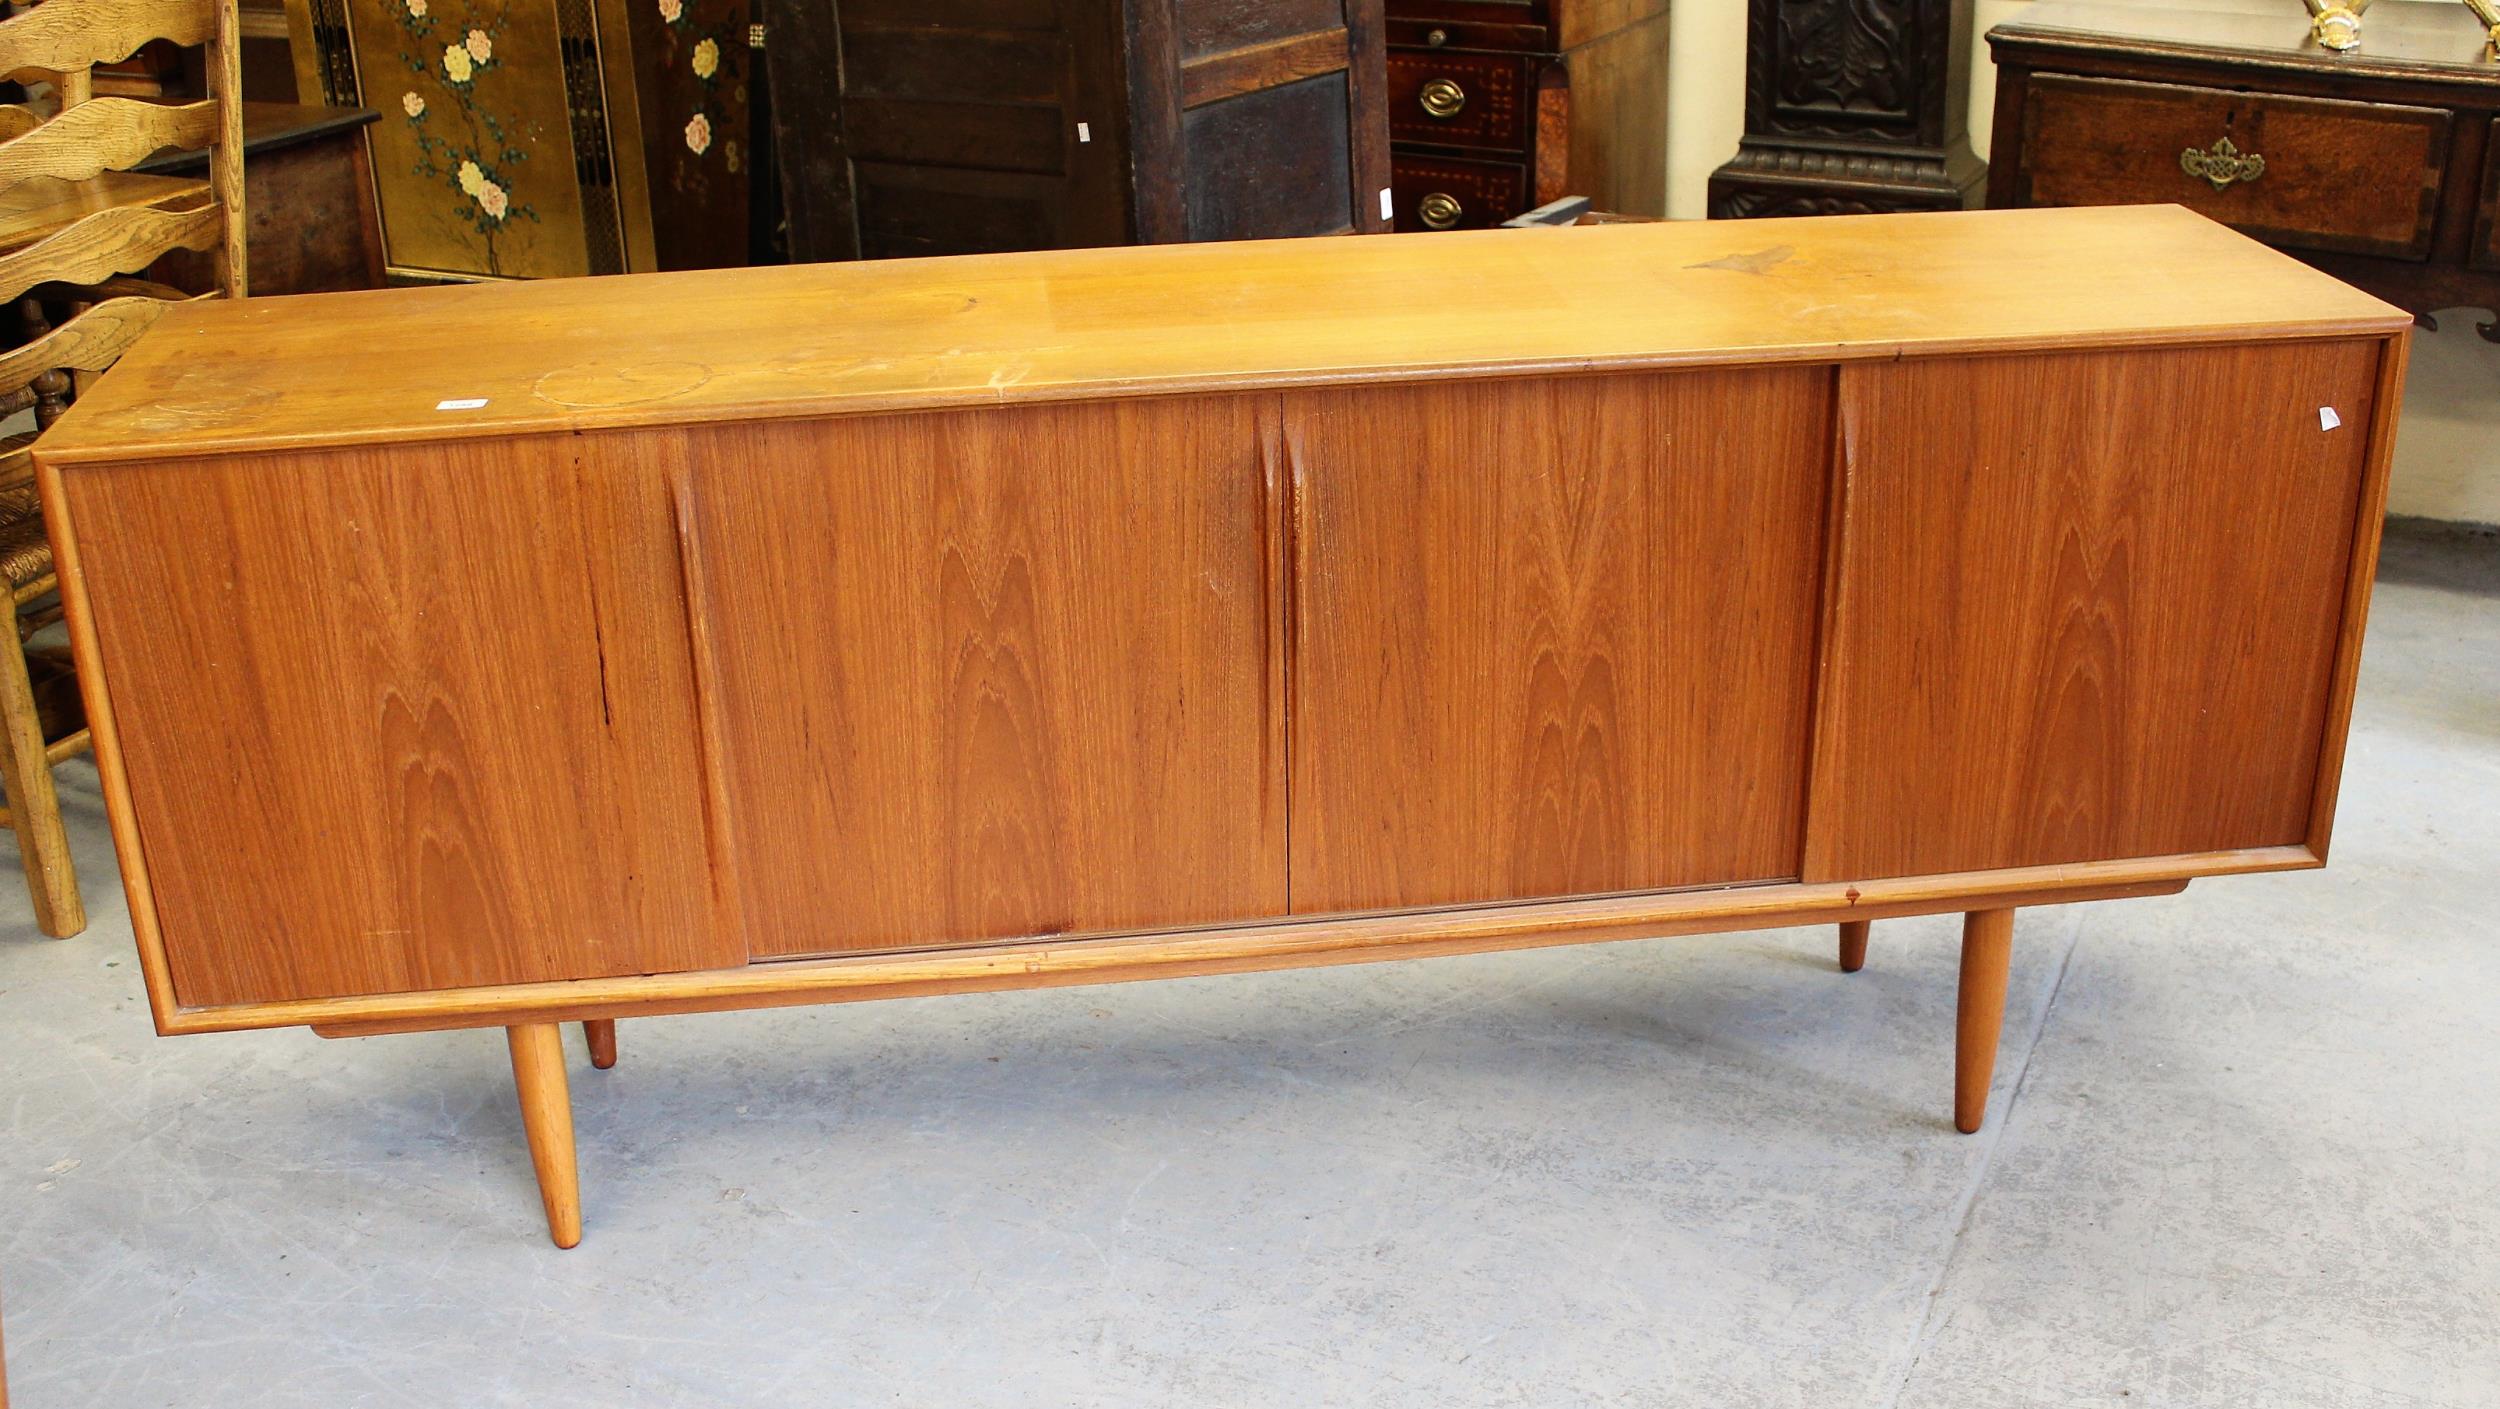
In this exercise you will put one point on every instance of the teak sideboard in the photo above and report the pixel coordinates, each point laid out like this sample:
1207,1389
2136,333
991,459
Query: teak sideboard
514,654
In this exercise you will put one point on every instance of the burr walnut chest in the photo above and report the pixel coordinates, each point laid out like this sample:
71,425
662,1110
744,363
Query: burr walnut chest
2376,165
514,654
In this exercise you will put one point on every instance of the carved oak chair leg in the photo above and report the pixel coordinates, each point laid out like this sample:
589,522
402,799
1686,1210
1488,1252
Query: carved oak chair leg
602,1035
1853,944
547,1114
1987,957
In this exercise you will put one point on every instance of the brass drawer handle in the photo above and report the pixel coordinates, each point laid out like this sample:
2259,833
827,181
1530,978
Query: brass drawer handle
1439,211
1442,97
2222,163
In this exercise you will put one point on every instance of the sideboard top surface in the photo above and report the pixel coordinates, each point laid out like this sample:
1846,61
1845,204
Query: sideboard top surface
811,340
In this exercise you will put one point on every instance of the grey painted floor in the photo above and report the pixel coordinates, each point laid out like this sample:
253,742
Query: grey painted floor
2245,1150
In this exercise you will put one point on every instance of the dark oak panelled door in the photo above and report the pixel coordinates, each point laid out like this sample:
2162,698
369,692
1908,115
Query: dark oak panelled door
1259,118
423,724
2085,604
911,128
1553,637
995,673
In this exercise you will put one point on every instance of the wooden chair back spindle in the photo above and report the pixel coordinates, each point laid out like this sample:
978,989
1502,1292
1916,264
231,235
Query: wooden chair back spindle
91,136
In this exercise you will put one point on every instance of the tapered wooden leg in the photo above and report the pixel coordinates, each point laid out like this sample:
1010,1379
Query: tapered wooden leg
602,1035
547,1114
1987,957
1853,945
34,808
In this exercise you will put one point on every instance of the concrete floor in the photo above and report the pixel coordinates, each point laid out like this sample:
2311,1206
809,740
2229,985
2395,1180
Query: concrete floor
2245,1150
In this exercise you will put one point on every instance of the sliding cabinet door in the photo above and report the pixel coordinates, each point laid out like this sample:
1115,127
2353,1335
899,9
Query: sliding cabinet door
987,674
2087,606
1553,637
403,717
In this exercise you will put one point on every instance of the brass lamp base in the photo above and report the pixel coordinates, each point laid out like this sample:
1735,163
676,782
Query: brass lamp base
2336,24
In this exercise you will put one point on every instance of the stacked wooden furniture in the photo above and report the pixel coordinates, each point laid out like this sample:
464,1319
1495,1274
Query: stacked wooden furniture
85,226
620,647
1499,106
2378,165
906,129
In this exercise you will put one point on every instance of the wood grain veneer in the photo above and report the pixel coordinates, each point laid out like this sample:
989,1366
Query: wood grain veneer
2074,619
2356,177
405,719
1521,668
996,674
813,340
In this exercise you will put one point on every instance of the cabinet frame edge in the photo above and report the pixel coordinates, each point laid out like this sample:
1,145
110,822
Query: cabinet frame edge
97,697
1246,948
2361,574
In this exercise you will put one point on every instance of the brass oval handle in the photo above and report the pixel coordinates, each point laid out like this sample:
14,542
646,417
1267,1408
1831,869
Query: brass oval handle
1439,211
2222,163
1437,38
1442,97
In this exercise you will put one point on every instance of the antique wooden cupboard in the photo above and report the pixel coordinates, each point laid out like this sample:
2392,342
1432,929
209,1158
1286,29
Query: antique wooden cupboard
979,126
508,655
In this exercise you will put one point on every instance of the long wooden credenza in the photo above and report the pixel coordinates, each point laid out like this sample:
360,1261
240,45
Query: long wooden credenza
508,655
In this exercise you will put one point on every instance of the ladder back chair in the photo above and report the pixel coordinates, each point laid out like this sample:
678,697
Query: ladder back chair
70,274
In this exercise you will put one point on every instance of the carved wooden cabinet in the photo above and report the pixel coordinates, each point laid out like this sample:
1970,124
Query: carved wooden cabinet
2376,165
1499,106
905,129
1851,106
587,649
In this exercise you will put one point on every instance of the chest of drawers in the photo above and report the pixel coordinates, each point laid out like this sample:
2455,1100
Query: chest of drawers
1498,106
2377,165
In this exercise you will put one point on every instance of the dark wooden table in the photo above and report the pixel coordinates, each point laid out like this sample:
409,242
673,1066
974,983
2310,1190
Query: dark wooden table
307,199
2375,165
